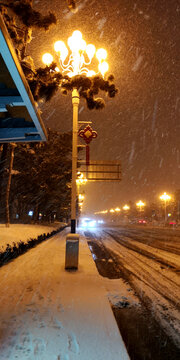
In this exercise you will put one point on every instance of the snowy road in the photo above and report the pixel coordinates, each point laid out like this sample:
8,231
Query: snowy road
149,260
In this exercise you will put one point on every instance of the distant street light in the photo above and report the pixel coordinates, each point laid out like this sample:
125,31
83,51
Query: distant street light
101,212
126,207
165,197
140,205
81,198
81,180
71,63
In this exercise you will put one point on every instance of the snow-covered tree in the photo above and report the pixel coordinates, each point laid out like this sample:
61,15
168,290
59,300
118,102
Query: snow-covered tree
42,174
21,19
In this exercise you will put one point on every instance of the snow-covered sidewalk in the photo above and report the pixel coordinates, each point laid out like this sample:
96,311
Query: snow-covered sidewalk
48,313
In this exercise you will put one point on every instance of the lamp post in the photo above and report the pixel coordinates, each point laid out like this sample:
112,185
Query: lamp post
140,205
117,211
126,208
71,62
165,197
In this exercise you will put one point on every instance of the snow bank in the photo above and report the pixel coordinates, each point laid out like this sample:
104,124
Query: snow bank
23,232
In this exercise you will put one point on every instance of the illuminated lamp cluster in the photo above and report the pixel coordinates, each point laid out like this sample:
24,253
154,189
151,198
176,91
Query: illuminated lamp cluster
75,61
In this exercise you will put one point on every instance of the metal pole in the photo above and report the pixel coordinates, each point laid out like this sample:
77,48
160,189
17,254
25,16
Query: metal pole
75,102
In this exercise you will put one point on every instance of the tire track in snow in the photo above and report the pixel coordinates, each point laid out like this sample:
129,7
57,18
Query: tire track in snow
163,239
143,268
157,291
163,257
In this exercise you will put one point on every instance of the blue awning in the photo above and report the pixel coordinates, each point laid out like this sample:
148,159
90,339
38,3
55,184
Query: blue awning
20,120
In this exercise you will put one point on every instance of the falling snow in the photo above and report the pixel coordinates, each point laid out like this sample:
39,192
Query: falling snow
142,46
101,23
137,64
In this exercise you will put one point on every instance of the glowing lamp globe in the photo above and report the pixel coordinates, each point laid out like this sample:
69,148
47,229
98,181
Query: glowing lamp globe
47,59
75,41
90,51
59,46
77,35
82,45
101,54
103,67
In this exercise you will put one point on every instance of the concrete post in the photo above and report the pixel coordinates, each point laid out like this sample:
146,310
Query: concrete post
72,251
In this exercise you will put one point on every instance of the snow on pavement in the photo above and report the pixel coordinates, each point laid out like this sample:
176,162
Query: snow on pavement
49,313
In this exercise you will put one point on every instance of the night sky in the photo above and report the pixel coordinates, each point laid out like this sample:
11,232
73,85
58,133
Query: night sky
140,126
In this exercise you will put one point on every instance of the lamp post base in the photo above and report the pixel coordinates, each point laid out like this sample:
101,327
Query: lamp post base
73,226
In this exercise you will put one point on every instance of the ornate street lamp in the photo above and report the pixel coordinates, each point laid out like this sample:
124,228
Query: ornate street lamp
75,59
165,197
